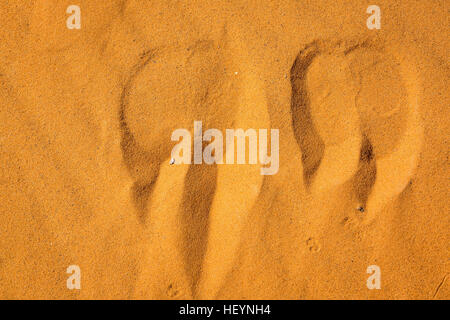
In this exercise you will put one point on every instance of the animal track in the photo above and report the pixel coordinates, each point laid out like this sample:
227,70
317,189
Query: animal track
169,90
165,91
172,291
355,117
313,245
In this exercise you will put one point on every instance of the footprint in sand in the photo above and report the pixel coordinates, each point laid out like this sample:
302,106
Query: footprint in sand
313,245
172,291
202,226
167,90
355,117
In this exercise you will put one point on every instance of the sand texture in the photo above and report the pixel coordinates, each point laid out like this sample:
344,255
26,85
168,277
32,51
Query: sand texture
87,176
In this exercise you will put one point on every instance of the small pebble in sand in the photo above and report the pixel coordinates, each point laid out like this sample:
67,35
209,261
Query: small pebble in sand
172,161
361,209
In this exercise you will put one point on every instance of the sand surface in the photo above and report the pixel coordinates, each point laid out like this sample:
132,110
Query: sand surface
86,119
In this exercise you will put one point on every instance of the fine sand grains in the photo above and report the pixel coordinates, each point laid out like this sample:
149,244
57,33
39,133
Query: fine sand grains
87,179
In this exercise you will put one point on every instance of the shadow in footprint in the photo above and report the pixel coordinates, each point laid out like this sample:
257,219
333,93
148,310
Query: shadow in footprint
364,178
308,139
142,166
196,207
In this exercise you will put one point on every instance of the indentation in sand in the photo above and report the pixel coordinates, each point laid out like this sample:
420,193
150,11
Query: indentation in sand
313,245
355,116
207,225
168,89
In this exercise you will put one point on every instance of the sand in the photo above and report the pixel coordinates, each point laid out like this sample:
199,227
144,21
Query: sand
86,177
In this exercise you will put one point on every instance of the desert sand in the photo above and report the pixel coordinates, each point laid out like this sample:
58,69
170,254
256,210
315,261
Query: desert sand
86,176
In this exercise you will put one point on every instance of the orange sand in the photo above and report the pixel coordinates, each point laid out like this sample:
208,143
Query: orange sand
85,127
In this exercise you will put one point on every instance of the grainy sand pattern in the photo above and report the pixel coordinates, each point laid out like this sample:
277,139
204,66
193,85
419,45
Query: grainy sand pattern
88,178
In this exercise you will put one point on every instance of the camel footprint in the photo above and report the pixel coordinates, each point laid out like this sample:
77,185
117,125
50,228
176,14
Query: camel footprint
355,116
171,89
